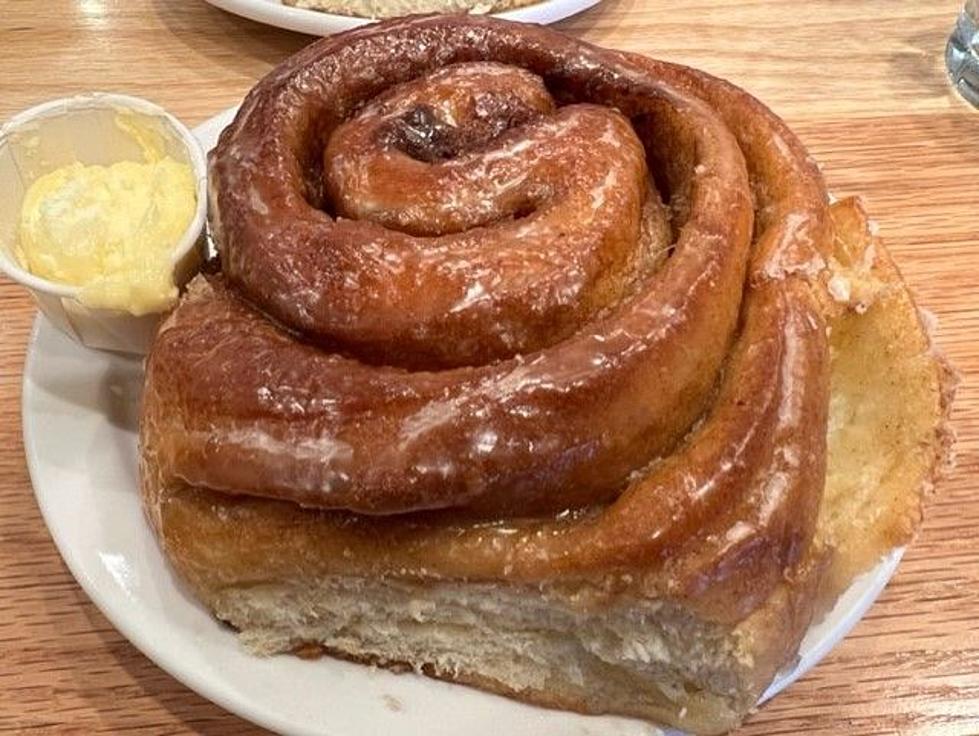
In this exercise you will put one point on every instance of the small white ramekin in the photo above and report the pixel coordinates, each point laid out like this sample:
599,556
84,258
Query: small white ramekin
83,128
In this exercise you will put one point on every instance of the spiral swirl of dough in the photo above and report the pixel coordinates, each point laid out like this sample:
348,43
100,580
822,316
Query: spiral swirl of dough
477,266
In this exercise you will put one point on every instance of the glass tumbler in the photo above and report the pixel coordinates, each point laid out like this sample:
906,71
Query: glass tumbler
962,53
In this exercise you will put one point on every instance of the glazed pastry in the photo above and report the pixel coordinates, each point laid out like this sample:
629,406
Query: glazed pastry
555,360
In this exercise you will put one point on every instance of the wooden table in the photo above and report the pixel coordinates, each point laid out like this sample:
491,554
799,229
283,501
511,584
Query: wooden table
863,84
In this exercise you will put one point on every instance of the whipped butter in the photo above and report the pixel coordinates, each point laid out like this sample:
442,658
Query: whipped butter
111,230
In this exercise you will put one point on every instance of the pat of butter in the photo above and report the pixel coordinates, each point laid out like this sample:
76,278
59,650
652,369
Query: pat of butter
110,230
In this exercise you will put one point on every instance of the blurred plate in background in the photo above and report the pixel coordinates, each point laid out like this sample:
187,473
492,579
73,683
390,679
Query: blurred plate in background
276,13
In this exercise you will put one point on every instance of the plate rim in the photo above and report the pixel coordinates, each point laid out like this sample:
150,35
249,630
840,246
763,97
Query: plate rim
200,685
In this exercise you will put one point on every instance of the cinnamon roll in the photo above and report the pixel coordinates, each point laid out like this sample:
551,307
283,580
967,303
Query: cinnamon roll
554,359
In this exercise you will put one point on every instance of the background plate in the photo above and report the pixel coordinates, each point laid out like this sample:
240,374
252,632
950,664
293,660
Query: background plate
80,412
275,13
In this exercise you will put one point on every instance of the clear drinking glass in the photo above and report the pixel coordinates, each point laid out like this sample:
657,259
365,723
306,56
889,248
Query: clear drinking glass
962,53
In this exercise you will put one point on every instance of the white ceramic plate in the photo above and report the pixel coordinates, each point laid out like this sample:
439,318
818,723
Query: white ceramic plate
275,13
80,415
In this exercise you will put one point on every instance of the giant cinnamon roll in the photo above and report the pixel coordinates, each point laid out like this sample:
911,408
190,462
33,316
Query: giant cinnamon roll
554,359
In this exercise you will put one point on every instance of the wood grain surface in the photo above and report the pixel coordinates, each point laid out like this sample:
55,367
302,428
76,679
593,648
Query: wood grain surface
863,84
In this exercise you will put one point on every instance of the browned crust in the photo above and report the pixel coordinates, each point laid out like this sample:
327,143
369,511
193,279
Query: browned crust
770,635
764,585
715,524
198,530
